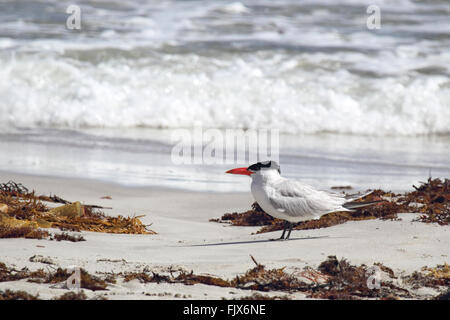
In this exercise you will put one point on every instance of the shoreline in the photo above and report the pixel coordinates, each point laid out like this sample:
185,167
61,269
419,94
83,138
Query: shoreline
144,160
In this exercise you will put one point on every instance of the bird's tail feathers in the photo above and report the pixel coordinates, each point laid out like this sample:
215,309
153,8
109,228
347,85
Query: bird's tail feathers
355,205
353,197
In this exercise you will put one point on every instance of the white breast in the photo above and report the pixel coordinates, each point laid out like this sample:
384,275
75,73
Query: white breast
259,192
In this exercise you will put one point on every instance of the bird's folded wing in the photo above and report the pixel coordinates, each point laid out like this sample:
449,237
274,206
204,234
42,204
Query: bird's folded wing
297,200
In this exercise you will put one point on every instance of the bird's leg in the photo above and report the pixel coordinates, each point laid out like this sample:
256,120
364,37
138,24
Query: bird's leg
290,229
286,223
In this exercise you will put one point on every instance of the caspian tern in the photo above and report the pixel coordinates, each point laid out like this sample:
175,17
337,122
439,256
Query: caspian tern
291,200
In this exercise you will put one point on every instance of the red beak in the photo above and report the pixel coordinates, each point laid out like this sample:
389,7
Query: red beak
243,171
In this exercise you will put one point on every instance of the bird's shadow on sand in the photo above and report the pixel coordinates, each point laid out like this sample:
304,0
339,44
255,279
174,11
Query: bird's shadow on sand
253,241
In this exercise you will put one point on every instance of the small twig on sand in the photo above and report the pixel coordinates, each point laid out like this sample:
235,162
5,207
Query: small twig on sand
56,199
254,260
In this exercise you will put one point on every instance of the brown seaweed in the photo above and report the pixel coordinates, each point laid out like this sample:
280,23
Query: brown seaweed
24,207
349,282
17,295
22,232
333,279
87,280
72,296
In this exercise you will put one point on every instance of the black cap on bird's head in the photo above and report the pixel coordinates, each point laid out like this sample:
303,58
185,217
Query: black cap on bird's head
264,166
259,166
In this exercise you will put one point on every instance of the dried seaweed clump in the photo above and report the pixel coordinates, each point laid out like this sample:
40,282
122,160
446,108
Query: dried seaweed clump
17,295
11,274
91,220
431,198
441,273
436,277
258,278
191,278
20,208
254,217
187,278
334,279
29,232
348,282
87,280
145,277
435,199
261,279
22,232
72,296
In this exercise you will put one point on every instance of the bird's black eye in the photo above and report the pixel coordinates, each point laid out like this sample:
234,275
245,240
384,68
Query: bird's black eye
255,167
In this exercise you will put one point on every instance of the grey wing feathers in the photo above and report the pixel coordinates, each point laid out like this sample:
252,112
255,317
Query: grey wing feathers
296,199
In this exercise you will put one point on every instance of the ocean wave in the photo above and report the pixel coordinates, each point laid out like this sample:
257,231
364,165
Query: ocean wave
306,67
303,93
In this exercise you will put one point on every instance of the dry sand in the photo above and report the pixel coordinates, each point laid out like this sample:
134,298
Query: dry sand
187,239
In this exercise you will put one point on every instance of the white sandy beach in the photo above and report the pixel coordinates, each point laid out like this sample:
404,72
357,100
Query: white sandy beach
187,239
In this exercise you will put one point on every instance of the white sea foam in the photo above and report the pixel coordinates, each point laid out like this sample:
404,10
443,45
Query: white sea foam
304,67
235,7
296,94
